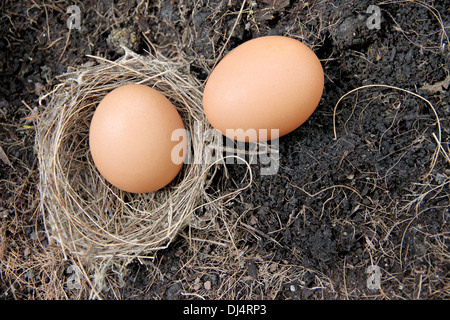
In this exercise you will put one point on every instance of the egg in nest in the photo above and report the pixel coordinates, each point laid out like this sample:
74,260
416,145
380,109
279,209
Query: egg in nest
130,139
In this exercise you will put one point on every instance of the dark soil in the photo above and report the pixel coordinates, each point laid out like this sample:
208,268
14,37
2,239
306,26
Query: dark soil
336,206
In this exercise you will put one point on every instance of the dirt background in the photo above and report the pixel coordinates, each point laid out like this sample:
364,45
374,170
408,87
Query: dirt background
373,195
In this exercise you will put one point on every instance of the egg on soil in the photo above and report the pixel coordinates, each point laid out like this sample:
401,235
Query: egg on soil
263,89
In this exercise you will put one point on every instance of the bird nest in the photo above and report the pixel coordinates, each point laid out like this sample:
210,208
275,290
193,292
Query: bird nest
86,215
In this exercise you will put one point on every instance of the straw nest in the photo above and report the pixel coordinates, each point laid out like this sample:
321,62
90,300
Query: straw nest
86,215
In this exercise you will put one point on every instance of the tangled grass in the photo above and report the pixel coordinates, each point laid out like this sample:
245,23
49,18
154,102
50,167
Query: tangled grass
83,213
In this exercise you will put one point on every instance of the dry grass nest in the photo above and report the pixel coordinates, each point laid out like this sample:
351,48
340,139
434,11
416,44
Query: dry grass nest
87,216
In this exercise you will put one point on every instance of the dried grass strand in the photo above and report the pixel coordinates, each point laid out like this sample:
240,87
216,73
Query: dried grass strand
438,123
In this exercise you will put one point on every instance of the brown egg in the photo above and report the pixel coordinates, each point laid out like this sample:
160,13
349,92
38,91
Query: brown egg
130,139
266,83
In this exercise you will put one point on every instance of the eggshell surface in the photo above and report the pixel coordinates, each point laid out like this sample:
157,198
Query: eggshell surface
266,83
130,139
